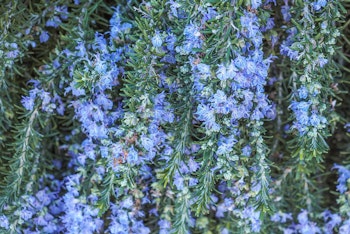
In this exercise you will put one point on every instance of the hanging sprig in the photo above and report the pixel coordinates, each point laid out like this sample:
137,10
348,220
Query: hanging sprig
26,150
311,45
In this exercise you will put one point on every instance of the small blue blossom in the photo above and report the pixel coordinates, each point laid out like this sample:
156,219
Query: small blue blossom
104,101
208,13
281,217
344,175
4,223
44,36
204,70
314,120
319,4
63,11
206,114
56,64
170,41
345,227
116,25
219,102
133,156
193,165
302,92
192,182
256,3
285,10
104,151
28,103
179,181
192,39
147,143
13,54
231,70
302,217
222,72
26,214
247,150
157,41
249,22
54,22
240,62
322,61
174,5
331,220
269,25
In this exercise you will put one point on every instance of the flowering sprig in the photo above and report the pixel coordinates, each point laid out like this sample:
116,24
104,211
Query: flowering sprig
236,97
312,76
309,102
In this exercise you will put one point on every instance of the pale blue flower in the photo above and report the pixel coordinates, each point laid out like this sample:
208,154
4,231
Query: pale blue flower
157,40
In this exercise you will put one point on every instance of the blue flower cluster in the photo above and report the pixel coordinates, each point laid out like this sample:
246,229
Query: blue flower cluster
308,101
344,175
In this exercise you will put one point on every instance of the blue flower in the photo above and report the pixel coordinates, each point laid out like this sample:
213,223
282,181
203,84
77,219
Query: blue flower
192,182
63,11
12,54
133,156
208,13
104,151
54,22
302,217
164,224
157,41
179,181
80,49
322,61
286,50
249,24
28,102
302,92
231,70
127,203
281,217
344,175
221,73
247,150
219,102
44,36
116,25
331,219
240,62
269,24
206,114
147,143
345,228
4,222
285,10
314,120
319,4
173,7
204,70
300,106
96,131
102,100
192,38
193,165
170,41
26,214
256,3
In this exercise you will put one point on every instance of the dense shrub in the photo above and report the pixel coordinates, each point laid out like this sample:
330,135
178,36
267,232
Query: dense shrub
174,116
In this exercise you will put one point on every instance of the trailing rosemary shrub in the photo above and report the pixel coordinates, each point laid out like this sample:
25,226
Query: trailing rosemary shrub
174,116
